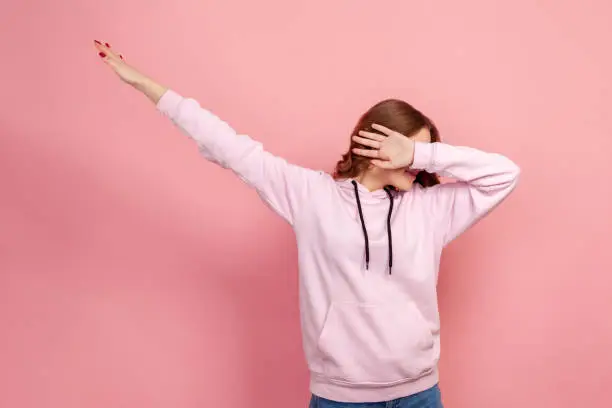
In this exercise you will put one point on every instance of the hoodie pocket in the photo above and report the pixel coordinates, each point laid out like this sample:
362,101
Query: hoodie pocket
375,344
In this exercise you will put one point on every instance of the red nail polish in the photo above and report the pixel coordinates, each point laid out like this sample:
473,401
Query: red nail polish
97,42
102,54
121,56
107,44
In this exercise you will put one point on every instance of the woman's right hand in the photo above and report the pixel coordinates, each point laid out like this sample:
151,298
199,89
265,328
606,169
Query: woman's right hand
117,63
129,74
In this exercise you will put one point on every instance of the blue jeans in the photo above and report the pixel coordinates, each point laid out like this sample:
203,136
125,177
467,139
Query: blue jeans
426,399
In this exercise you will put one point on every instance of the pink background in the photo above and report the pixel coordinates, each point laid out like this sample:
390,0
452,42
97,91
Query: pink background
135,274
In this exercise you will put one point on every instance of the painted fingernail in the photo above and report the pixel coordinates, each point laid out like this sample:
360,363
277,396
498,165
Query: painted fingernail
107,44
97,42
102,55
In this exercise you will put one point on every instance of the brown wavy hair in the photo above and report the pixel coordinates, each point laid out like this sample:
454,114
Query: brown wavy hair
394,114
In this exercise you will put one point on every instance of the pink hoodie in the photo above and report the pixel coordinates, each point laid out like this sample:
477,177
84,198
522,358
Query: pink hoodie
369,335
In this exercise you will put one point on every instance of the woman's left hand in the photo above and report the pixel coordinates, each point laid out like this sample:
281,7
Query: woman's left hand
390,150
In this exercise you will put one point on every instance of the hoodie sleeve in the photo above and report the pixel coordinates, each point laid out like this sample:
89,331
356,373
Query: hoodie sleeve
483,180
284,187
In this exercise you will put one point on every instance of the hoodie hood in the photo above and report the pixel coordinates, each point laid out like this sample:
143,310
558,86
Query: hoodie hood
367,196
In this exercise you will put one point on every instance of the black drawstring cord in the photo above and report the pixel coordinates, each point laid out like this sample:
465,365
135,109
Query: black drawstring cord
365,231
389,235
363,226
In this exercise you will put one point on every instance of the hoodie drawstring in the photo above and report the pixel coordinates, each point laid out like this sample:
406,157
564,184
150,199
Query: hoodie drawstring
363,226
365,231
389,235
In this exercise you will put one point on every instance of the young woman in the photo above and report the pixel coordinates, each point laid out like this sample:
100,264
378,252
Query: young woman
369,239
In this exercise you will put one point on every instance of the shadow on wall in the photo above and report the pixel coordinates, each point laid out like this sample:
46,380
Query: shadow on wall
107,302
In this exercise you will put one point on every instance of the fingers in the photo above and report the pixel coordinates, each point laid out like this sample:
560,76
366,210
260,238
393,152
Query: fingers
383,129
379,160
366,142
103,50
106,53
367,153
373,136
